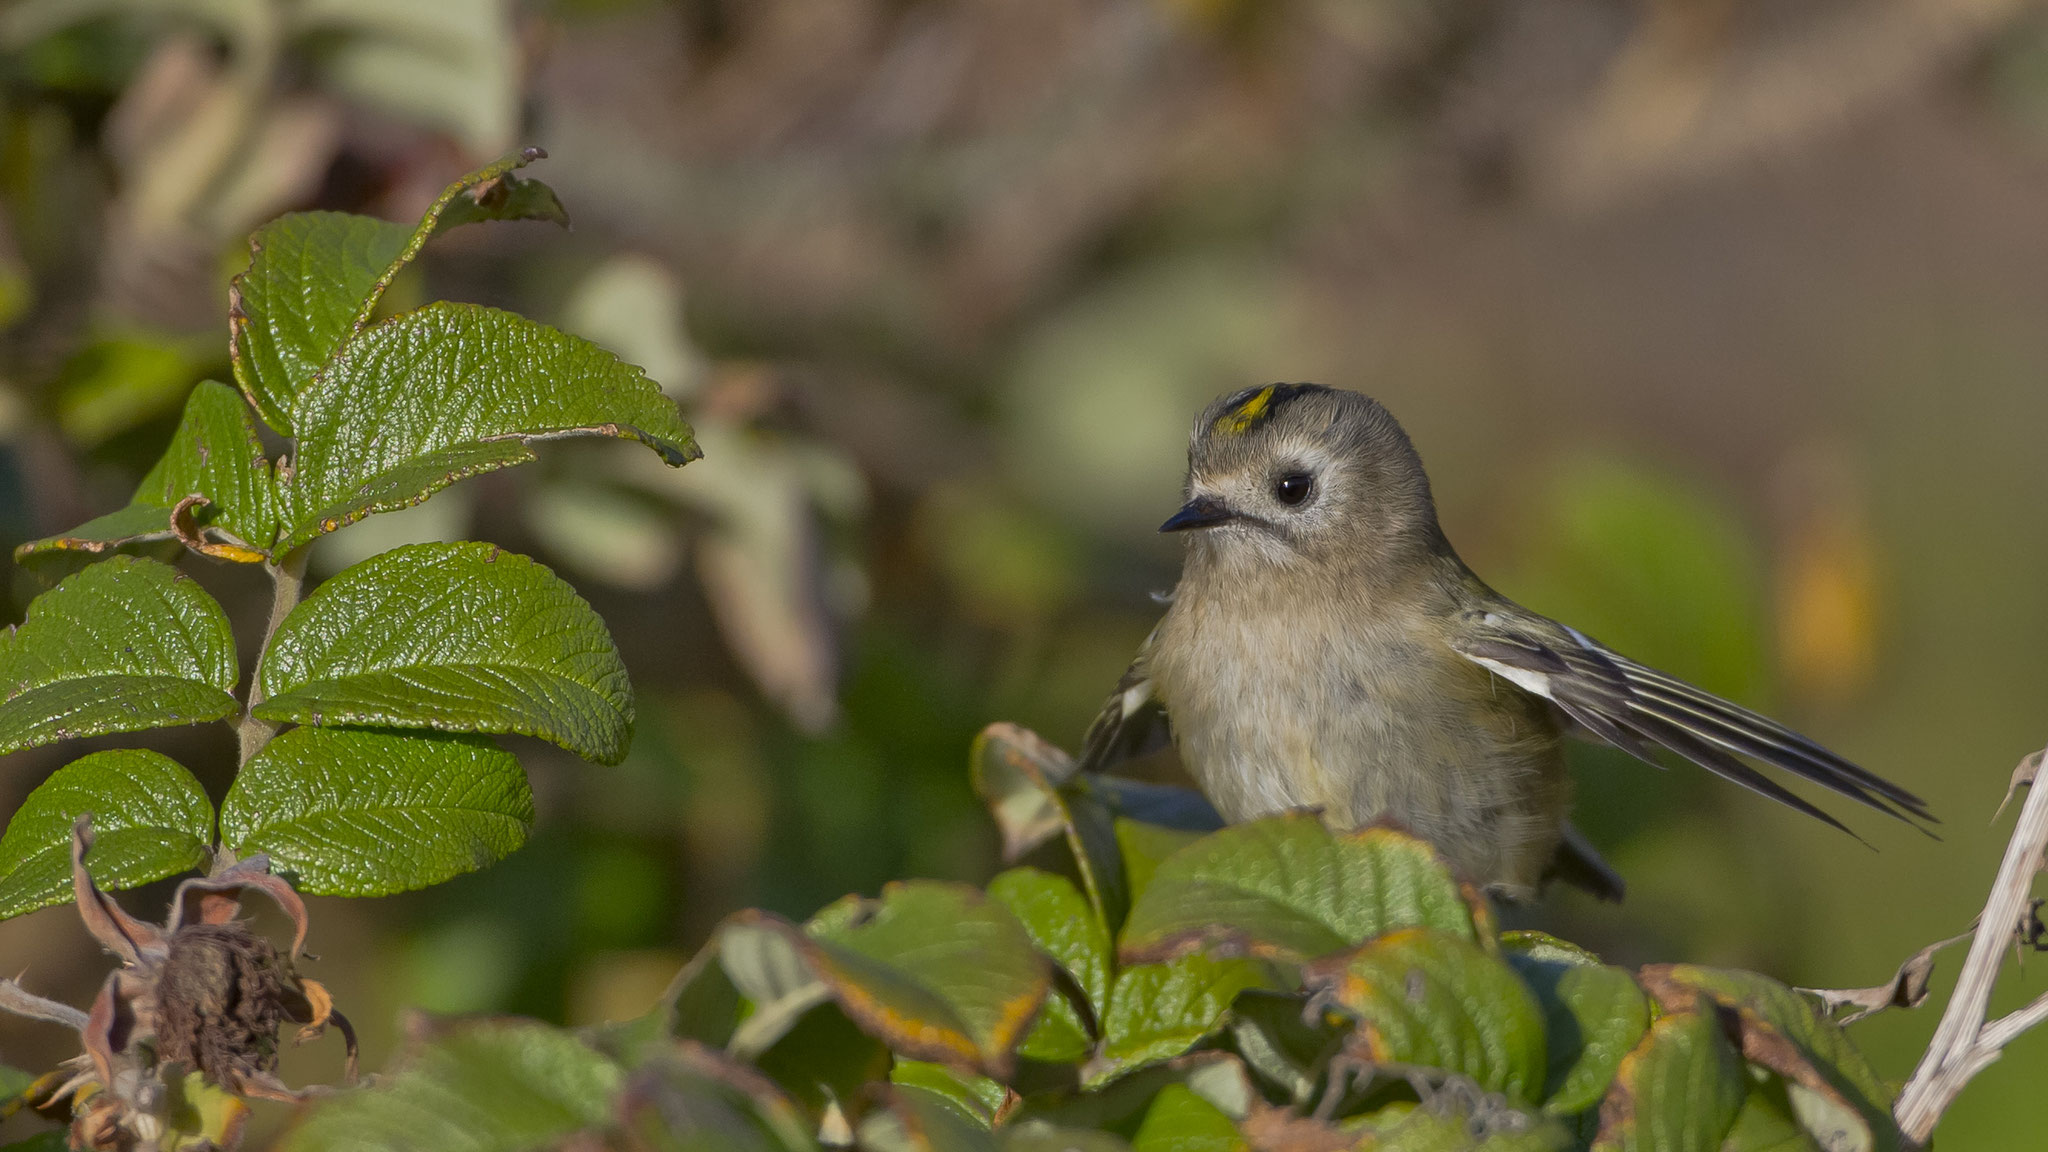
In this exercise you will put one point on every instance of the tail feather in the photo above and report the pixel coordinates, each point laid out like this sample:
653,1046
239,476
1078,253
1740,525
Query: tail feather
1651,685
1631,706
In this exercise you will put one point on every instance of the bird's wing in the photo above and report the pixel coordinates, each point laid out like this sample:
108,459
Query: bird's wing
1632,707
1132,721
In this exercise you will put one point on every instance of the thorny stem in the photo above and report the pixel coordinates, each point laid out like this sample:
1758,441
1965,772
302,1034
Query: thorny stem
1965,1043
287,584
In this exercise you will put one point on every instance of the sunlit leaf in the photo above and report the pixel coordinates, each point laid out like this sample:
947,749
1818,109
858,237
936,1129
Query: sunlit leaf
309,275
151,819
124,645
1286,886
1834,1092
936,971
426,398
1593,1015
1678,1090
1158,1011
1061,924
1429,999
360,813
1065,928
978,1096
315,278
1180,1121
458,637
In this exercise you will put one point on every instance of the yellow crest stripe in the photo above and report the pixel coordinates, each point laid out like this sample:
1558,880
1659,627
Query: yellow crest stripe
1240,419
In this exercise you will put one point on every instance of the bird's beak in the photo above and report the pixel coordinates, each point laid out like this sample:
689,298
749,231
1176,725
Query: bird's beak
1201,512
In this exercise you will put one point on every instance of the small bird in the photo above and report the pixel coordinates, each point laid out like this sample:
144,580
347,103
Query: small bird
1327,649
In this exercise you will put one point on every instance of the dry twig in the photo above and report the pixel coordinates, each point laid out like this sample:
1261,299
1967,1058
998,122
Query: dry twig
1966,1042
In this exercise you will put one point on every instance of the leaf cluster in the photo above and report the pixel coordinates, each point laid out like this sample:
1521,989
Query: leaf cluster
366,764
1156,988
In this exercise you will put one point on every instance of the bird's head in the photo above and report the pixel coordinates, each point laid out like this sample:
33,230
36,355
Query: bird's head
1292,473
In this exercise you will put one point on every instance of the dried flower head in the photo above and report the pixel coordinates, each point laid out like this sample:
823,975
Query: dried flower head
199,994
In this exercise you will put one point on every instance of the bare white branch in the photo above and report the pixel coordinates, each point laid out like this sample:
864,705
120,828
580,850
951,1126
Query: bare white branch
1965,1043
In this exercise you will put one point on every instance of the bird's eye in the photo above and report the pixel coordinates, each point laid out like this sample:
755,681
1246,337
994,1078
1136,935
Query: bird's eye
1293,488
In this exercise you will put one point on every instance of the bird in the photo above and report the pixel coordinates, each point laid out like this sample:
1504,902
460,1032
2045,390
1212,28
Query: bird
1326,648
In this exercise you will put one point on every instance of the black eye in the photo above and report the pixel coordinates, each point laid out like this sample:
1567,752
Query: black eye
1294,487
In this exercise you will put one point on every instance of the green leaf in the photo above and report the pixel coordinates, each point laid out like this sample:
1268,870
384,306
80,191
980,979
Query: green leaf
495,192
1543,948
1432,1000
763,957
55,1140
1180,1121
1678,1090
1834,1091
824,1059
1058,1035
460,637
1031,790
1143,847
197,1113
124,645
357,813
315,278
1158,1011
1065,928
936,971
309,275
977,1096
1765,1123
429,397
1061,925
916,1120
489,1086
215,453
1287,887
687,1098
1287,1047
701,1005
150,819
1037,1135
1447,1126
1592,1015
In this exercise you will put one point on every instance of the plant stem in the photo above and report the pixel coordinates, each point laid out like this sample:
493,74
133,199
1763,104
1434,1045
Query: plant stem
287,584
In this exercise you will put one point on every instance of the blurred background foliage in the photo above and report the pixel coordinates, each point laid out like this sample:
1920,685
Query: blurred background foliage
1718,321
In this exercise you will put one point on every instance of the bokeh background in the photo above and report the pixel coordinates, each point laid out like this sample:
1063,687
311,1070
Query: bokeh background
1720,323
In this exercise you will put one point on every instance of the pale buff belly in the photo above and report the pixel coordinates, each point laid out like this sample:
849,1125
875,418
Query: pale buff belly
1380,728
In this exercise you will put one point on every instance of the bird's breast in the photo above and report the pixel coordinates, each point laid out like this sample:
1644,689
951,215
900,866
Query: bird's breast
1334,707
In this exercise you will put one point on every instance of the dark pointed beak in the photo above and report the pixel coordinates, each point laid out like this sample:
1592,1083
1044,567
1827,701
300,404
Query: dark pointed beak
1201,512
